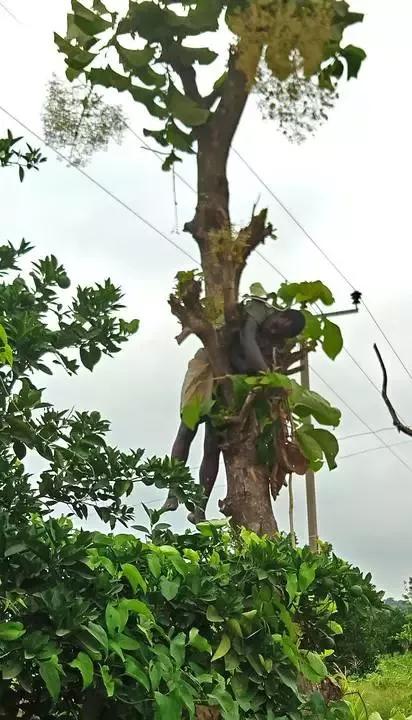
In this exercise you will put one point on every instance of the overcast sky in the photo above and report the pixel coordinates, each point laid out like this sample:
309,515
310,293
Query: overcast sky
349,187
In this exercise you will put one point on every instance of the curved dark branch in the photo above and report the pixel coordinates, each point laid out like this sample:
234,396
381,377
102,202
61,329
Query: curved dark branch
396,421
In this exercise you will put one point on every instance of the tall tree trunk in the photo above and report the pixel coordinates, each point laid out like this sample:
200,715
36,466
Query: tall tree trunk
248,501
224,255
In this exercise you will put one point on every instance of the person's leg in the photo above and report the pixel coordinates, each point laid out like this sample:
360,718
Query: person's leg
208,469
180,451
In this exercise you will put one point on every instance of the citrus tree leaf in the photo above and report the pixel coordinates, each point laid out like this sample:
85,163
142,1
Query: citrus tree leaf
135,670
199,642
223,647
169,707
134,577
84,664
51,677
108,680
178,649
169,588
10,631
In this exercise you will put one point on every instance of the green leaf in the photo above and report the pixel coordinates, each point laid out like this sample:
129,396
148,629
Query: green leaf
221,697
310,448
84,664
307,402
155,566
292,585
354,57
213,616
137,606
11,668
109,78
185,109
329,444
190,55
147,98
134,577
313,326
108,680
98,633
180,140
134,670
223,647
332,343
87,21
192,412
317,664
335,627
307,574
135,59
178,649
113,620
169,707
258,290
130,328
10,631
199,642
51,677
90,357
169,588
179,564
127,643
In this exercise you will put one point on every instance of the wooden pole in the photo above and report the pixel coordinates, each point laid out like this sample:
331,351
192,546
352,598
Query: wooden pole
310,478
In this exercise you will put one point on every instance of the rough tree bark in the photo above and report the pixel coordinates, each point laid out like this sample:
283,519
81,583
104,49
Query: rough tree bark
224,255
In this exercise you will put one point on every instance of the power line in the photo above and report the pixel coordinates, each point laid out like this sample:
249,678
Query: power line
165,237
322,252
193,189
363,434
342,457
266,260
9,12
374,449
100,186
364,423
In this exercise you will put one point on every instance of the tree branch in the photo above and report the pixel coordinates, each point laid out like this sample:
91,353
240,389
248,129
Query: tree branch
254,234
187,75
187,307
396,421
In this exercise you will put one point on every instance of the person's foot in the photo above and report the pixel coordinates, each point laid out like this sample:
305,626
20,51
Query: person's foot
197,516
171,503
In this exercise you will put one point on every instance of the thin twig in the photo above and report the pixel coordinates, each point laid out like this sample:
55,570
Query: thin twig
394,415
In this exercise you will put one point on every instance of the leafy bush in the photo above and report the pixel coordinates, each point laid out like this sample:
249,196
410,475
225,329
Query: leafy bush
39,331
94,623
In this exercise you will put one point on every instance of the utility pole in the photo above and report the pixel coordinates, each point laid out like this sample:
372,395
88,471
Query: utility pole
311,504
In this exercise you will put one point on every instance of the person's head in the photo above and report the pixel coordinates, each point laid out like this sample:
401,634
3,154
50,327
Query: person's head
284,323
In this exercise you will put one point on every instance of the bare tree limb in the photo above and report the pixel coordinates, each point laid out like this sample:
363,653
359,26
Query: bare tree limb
396,421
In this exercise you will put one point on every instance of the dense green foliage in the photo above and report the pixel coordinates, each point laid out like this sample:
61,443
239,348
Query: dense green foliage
95,625
387,692
300,45
215,618
40,331
369,634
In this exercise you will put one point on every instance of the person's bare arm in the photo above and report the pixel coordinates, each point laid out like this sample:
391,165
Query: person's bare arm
250,348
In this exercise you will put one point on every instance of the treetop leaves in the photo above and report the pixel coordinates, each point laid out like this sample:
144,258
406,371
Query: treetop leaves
185,109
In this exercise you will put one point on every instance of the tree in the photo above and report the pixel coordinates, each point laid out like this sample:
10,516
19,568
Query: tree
213,625
292,54
38,332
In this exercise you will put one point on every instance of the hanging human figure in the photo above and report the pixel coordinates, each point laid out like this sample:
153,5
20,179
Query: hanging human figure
255,349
